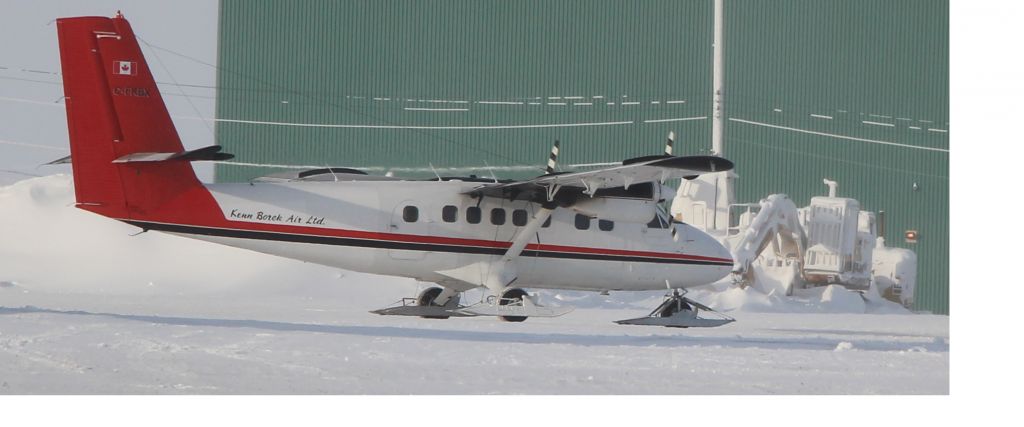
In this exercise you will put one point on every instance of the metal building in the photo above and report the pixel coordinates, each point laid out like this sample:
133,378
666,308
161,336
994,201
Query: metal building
853,90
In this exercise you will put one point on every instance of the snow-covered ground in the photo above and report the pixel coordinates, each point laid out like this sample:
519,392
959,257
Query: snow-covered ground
86,307
53,343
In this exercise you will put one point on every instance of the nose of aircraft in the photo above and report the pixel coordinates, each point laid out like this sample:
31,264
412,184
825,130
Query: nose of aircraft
720,250
720,262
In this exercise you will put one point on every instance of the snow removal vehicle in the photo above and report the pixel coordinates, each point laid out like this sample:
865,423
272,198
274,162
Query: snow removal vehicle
780,247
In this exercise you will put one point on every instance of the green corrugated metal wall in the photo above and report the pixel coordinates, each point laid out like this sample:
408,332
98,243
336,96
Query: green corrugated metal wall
411,83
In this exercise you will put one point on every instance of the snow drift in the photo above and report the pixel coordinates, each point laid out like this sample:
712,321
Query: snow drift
49,245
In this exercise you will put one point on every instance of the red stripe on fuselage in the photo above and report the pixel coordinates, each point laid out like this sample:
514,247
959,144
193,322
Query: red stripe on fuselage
414,238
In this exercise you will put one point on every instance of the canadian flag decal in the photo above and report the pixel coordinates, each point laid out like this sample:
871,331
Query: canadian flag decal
125,68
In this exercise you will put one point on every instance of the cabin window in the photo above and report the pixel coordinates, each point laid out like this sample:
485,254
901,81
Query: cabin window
497,216
520,217
605,225
473,215
582,222
450,213
410,214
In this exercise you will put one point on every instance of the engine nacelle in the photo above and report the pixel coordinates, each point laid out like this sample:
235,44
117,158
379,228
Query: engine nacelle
616,209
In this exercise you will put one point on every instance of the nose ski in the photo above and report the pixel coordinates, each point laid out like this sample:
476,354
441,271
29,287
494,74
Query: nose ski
677,311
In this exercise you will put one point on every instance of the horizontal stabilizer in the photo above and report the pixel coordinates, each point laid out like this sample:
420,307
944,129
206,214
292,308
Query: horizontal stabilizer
206,153
60,161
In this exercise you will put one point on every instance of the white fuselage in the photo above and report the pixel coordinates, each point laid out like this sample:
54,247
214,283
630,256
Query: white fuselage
370,226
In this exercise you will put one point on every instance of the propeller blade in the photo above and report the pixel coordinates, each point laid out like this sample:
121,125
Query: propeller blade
668,145
553,159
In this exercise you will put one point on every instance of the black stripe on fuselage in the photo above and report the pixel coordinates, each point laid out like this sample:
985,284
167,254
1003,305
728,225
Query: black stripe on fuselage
390,244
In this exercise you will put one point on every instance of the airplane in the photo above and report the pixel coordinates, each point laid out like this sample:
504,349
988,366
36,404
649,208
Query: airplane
598,230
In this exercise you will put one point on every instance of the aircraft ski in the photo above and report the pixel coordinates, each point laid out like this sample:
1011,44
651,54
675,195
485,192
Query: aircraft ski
526,307
409,307
677,311
521,308
596,230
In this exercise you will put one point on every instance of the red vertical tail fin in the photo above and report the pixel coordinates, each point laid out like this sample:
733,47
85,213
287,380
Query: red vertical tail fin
115,115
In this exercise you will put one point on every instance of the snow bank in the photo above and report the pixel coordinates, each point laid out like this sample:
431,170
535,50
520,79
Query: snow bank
835,298
10,177
724,296
49,245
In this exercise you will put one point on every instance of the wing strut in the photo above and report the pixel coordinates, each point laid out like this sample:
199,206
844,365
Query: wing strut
527,233
498,274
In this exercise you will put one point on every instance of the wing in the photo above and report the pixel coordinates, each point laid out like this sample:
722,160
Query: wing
569,187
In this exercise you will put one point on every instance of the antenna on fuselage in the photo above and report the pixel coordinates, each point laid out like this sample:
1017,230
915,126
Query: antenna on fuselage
435,172
494,176
668,145
552,159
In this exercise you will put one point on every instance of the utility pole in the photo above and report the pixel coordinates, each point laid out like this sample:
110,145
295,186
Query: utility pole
724,193
718,106
708,197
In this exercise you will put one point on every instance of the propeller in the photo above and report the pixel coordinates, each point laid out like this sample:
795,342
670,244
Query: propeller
668,145
553,159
